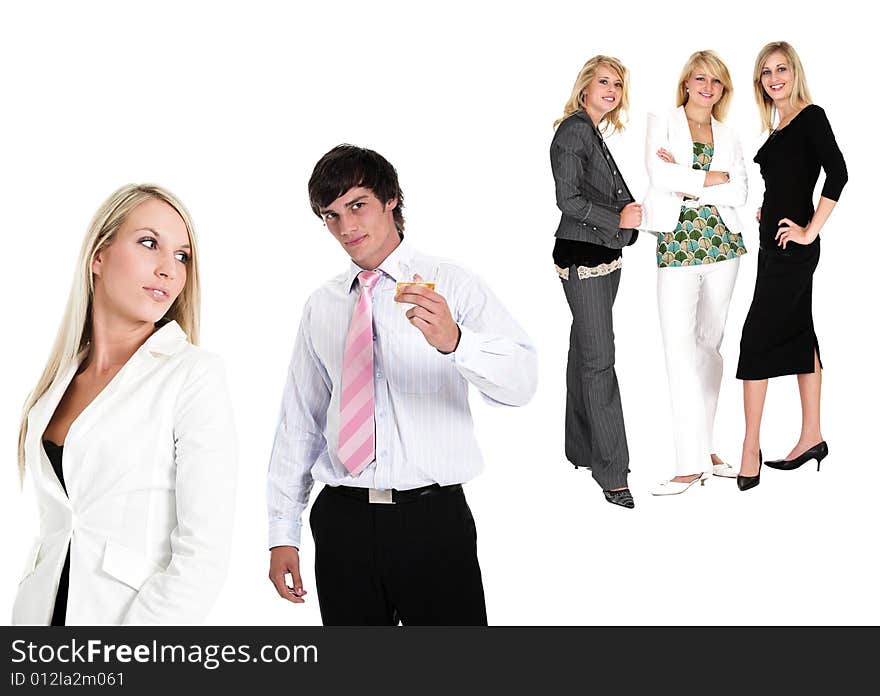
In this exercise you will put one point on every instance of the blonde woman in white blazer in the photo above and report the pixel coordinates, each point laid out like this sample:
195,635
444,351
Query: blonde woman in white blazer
697,180
129,435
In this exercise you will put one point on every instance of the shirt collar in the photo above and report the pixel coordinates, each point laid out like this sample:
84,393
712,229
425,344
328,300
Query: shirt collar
397,265
166,340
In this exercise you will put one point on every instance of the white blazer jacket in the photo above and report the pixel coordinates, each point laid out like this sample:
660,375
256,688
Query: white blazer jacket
662,205
150,472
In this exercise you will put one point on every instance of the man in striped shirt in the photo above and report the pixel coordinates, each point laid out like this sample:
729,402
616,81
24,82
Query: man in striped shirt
376,408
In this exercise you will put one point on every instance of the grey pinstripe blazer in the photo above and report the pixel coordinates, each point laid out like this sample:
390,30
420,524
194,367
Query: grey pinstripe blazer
590,190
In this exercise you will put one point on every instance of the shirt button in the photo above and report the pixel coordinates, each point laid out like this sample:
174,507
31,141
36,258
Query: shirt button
594,228
619,190
375,337
378,375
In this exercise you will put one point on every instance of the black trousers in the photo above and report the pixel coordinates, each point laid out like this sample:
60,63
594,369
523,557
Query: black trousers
412,562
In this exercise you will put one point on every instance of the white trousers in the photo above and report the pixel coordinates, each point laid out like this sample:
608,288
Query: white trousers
693,302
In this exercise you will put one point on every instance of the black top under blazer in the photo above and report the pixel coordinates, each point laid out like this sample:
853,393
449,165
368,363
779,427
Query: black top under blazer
590,190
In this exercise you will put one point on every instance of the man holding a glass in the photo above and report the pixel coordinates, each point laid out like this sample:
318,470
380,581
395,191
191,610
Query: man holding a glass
375,407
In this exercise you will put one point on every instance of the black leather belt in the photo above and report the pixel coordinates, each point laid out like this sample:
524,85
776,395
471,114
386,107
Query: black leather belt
374,495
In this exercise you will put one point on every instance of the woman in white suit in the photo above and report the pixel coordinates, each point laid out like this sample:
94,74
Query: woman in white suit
697,180
128,434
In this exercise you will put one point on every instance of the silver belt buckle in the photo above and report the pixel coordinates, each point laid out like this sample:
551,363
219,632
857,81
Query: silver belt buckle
377,495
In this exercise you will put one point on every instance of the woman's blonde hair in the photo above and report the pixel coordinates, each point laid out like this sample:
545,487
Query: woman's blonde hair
75,331
714,67
576,101
800,93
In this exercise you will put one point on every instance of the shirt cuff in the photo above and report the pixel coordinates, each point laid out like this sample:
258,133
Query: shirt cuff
468,346
284,533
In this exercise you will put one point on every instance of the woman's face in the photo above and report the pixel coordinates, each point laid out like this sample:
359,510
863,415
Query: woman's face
703,88
603,92
776,76
143,269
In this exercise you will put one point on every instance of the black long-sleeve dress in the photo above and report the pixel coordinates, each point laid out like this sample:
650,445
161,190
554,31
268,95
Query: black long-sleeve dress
778,336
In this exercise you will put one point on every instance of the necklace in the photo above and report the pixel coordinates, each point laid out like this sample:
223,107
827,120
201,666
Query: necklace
697,122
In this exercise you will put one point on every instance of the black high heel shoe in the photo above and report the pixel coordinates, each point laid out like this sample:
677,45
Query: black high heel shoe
622,497
817,452
746,482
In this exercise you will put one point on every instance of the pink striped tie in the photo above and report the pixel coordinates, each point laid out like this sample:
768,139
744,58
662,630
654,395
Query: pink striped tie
357,423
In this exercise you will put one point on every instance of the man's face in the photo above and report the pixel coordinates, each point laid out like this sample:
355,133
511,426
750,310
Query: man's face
363,225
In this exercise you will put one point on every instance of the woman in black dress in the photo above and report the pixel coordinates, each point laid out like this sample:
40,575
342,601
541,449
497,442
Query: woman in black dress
778,336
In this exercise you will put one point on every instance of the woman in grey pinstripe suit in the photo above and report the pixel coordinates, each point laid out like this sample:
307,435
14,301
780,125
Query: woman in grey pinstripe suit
598,219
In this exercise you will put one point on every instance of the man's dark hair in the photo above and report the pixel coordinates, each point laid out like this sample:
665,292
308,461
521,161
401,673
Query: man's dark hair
346,167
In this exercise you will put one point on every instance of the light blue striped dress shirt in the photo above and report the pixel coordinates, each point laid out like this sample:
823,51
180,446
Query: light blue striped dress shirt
424,431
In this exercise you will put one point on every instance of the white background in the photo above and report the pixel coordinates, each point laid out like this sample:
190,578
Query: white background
230,105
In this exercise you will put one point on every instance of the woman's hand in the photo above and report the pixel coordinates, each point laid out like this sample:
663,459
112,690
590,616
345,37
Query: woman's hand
715,178
665,155
630,216
790,231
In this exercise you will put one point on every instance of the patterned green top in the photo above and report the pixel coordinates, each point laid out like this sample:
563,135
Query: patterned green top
700,236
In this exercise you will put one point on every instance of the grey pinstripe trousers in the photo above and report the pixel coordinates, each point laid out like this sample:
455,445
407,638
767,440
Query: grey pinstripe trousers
595,436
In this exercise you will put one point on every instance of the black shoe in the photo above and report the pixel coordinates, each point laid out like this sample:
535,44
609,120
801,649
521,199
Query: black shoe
817,452
746,482
623,498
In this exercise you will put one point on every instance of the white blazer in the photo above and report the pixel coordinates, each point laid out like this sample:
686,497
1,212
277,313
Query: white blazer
150,472
662,205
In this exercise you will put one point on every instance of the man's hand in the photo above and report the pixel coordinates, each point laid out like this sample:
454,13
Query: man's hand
431,316
285,559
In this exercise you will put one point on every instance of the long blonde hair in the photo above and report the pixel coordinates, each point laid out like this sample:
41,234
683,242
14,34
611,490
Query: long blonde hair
800,93
576,101
715,67
75,331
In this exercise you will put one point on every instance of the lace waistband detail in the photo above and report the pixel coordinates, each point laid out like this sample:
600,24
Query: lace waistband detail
583,272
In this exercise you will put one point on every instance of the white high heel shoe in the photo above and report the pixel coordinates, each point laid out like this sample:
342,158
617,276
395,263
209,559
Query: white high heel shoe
671,487
724,470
